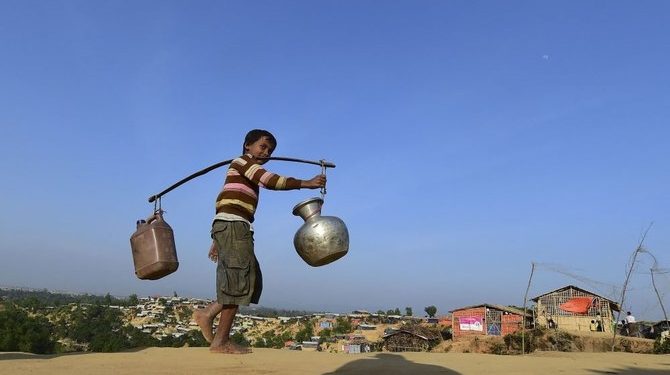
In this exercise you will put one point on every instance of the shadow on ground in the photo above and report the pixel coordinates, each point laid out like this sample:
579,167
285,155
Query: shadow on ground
5,356
390,364
634,371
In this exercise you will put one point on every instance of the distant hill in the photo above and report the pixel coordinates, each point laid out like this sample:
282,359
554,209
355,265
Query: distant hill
45,297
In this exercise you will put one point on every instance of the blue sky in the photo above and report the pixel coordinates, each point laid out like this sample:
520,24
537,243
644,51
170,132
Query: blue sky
471,138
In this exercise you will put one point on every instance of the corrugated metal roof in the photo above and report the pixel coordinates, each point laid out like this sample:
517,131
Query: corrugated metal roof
508,309
422,336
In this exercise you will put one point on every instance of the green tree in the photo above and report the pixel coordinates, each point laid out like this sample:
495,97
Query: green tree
196,339
381,312
262,342
408,311
239,339
269,339
108,342
324,334
101,327
342,325
139,339
169,341
306,333
184,312
32,303
21,332
133,300
431,311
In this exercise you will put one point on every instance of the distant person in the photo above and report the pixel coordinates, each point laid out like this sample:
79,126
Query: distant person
631,325
593,326
238,275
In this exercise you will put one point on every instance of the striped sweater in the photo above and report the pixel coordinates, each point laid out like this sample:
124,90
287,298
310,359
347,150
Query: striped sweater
239,195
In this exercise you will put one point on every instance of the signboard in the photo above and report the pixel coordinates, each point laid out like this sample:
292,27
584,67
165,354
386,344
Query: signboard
471,323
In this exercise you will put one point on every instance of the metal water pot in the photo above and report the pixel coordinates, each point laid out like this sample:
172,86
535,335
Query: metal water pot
321,239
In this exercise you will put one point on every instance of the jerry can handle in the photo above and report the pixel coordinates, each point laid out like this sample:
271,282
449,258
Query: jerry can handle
157,215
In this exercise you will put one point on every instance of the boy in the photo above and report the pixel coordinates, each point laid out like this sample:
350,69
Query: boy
238,274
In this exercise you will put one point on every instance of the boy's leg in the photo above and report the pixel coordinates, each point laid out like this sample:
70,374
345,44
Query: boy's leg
221,342
205,319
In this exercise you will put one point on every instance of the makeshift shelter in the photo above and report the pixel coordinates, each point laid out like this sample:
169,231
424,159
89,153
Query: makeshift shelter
653,331
486,320
411,339
572,309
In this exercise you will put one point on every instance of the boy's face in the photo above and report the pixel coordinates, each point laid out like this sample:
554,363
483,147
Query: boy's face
262,148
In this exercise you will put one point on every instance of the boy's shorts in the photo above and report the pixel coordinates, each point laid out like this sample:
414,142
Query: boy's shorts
238,275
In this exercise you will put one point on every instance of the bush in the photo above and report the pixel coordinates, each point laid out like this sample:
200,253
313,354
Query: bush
447,333
662,347
564,342
532,339
498,348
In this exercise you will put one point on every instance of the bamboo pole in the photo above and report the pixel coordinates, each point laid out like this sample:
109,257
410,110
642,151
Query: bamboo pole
660,301
625,284
523,318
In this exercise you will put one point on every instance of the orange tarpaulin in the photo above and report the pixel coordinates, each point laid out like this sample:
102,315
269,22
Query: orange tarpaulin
579,305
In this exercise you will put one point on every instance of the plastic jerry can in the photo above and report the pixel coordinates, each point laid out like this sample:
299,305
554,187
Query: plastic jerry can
154,251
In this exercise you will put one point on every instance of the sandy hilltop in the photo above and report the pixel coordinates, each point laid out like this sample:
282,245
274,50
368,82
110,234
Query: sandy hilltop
272,361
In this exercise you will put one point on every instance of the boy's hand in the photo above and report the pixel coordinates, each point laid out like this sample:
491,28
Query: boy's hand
318,181
213,254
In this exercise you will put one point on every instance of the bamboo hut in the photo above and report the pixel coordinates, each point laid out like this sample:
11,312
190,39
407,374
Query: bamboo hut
574,309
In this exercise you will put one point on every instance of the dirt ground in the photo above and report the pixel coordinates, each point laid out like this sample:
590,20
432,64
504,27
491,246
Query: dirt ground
591,342
285,362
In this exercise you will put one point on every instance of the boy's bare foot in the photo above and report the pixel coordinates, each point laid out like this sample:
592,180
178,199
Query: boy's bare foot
230,348
205,323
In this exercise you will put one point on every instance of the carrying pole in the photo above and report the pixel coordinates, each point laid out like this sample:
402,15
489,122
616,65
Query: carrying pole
324,164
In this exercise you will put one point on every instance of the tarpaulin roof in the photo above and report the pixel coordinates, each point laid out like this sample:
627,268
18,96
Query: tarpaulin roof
579,305
613,305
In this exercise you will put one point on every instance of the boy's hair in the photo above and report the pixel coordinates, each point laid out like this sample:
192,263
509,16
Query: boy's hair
257,134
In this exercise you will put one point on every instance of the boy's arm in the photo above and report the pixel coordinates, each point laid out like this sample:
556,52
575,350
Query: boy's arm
316,182
254,172
213,253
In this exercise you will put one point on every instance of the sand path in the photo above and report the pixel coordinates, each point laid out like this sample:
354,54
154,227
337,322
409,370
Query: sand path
280,362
